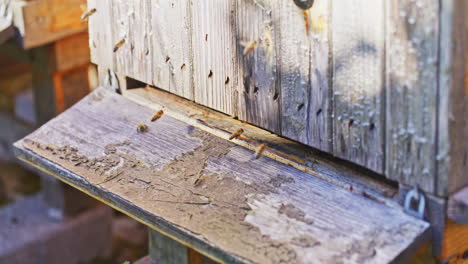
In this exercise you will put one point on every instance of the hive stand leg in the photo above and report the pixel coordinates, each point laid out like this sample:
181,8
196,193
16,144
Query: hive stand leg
49,91
164,250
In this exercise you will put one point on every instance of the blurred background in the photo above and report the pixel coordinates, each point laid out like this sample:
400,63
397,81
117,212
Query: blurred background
45,69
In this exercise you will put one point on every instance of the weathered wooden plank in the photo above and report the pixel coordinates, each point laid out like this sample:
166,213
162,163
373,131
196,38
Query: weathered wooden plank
259,92
44,21
215,55
281,149
210,194
452,152
171,41
100,33
412,50
121,35
304,74
358,82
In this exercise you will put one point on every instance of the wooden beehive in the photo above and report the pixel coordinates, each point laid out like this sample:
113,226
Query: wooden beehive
377,83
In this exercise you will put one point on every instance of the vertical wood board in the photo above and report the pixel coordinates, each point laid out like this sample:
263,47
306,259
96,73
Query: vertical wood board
100,33
257,28
214,58
171,46
452,147
304,71
358,81
412,55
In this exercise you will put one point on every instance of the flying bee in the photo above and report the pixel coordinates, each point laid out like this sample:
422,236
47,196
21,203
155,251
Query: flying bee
249,47
119,45
259,151
158,115
236,134
88,14
142,128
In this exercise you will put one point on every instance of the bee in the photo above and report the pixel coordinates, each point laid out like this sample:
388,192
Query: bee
259,151
119,45
249,47
236,134
88,14
157,115
142,128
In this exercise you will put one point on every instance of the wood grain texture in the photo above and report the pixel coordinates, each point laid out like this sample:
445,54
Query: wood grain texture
44,21
452,152
139,49
257,55
228,214
280,149
215,55
304,71
412,50
171,41
358,82
100,33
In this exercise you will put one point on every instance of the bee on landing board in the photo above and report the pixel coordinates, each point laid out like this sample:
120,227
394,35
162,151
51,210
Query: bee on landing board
157,115
236,134
142,128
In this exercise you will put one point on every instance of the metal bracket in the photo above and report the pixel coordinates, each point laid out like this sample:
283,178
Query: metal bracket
415,195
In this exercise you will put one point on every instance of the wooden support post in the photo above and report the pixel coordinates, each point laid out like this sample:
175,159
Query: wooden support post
63,200
164,250
43,86
59,80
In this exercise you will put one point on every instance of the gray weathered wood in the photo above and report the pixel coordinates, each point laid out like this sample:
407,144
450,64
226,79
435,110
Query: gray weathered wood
140,61
100,33
358,81
164,250
225,204
452,155
281,149
411,72
214,57
304,72
256,34
171,46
